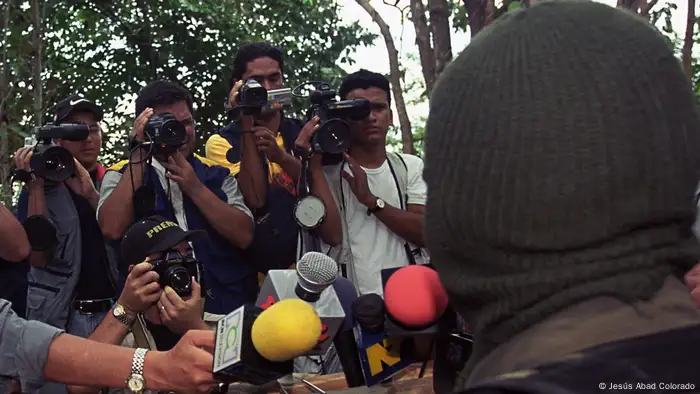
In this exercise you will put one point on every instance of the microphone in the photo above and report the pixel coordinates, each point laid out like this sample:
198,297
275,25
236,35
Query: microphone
415,299
345,343
381,356
310,281
315,272
257,347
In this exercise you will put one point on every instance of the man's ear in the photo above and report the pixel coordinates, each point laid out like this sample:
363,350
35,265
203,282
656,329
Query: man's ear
131,267
391,117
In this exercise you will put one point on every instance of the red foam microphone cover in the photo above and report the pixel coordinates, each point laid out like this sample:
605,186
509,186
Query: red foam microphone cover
414,296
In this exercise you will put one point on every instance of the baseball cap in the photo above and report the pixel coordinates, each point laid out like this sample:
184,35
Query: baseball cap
76,102
152,235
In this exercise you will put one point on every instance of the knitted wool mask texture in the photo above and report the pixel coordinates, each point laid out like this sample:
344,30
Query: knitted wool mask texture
562,155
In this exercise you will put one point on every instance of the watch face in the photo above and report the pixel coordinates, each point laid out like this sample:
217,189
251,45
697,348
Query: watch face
309,212
118,310
135,383
380,203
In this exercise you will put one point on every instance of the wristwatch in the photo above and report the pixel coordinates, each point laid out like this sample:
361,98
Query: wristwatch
136,383
120,313
379,205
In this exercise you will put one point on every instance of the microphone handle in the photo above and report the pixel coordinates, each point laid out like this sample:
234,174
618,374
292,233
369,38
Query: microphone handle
346,347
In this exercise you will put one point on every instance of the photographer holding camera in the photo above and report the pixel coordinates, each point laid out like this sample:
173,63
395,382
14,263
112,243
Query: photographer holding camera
380,194
164,177
258,147
71,282
156,306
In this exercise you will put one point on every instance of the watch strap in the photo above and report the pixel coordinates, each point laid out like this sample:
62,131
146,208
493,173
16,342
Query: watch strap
375,208
123,318
138,361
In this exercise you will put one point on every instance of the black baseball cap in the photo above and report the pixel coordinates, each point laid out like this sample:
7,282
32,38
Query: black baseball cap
152,235
76,102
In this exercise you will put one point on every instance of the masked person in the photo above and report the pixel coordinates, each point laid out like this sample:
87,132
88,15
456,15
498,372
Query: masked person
561,163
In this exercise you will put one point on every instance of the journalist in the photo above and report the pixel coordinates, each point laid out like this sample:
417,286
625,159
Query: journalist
259,149
71,285
31,351
380,194
150,313
164,176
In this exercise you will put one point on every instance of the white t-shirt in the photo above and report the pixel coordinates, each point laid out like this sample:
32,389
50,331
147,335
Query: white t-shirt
374,246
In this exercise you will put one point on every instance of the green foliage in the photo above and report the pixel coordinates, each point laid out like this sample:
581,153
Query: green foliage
108,50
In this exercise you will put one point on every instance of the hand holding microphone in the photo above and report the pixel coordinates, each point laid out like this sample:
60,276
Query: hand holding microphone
257,347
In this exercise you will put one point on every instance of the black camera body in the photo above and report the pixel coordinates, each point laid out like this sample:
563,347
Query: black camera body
251,97
333,135
165,133
50,161
176,271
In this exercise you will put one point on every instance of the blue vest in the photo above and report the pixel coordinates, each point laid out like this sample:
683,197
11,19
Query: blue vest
228,278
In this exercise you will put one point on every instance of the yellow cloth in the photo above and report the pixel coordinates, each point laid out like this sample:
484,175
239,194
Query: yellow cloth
216,149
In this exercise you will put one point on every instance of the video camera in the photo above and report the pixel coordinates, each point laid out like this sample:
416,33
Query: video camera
50,161
165,133
333,135
176,271
253,98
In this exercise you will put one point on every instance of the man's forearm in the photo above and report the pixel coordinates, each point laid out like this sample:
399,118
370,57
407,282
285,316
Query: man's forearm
407,225
77,361
331,230
117,212
15,244
110,331
251,177
231,223
291,166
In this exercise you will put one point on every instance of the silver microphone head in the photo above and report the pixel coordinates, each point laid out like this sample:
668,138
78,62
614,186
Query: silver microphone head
316,271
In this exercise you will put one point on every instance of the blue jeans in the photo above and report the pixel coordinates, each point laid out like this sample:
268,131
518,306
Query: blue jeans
83,325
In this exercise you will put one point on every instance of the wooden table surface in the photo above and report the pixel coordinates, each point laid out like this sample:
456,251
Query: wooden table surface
405,382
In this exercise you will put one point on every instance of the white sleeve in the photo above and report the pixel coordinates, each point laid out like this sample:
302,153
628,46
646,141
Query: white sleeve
109,183
416,188
234,196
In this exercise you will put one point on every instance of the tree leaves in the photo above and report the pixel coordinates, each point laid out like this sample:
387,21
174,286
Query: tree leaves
108,50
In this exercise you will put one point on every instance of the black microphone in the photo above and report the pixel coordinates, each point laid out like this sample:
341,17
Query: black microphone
345,343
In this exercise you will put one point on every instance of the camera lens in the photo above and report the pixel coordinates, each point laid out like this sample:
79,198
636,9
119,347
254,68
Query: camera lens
179,279
333,136
54,164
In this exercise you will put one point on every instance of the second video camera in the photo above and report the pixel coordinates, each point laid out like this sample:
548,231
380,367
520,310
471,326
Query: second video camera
166,134
176,271
50,161
333,135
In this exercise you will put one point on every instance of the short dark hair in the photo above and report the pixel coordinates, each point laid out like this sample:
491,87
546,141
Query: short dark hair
162,92
364,79
249,52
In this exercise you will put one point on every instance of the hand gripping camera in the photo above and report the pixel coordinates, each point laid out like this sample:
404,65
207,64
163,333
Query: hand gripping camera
165,133
333,135
176,271
50,161
251,97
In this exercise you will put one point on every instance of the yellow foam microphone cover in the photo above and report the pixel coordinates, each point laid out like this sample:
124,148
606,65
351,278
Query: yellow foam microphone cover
287,329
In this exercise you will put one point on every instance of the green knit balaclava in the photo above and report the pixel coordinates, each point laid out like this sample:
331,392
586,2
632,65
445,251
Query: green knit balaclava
562,156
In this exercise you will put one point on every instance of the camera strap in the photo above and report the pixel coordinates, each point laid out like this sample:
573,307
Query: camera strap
401,186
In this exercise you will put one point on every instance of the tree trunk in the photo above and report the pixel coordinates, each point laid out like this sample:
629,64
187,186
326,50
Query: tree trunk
479,14
5,163
37,36
440,28
394,76
428,61
687,52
